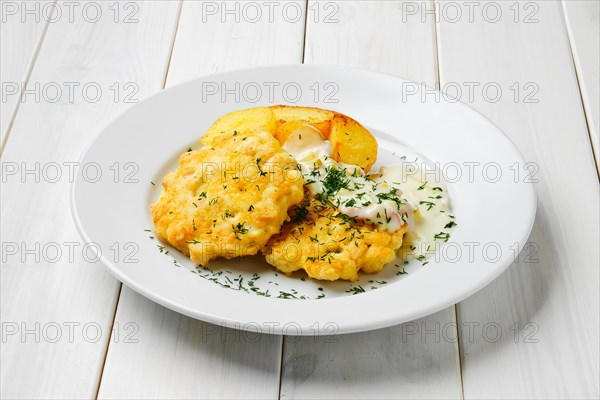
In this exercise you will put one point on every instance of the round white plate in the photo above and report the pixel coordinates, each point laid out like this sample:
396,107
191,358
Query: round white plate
488,182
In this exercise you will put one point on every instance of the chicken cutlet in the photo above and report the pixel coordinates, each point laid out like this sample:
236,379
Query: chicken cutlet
330,245
227,199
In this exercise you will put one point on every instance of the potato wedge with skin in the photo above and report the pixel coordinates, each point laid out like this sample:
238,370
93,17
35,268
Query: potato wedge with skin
287,128
315,116
352,143
242,121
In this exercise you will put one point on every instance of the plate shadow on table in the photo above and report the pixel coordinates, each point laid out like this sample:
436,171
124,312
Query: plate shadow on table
411,353
424,348
510,307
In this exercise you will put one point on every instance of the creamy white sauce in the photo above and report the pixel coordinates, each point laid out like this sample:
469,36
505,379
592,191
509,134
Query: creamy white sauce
431,222
394,196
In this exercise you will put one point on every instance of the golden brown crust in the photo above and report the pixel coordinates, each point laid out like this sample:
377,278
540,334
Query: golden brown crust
316,116
258,119
228,199
352,143
329,245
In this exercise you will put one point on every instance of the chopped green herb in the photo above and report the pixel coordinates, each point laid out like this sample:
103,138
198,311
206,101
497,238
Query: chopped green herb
239,229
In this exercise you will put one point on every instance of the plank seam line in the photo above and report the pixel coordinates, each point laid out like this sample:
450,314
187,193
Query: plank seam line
579,86
282,347
168,68
454,308
436,49
305,30
459,357
107,347
30,67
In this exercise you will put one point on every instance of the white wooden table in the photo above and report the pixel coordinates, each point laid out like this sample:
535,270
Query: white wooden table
69,330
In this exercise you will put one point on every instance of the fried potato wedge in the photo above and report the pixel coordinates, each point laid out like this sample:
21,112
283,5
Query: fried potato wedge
351,142
297,126
315,116
251,119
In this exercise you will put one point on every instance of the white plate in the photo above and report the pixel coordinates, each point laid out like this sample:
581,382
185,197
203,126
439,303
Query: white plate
142,145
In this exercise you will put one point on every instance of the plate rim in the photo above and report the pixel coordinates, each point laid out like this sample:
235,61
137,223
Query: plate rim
354,326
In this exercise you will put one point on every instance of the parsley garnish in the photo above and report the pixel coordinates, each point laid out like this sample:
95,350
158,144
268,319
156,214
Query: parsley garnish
429,204
335,181
239,229
442,236
450,225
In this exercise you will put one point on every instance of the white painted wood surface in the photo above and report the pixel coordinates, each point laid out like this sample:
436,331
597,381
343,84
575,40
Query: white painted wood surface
209,39
547,311
177,357
556,355
401,361
410,361
583,23
378,36
20,39
202,360
68,292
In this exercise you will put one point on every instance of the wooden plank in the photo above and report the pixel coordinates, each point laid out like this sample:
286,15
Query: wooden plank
545,306
383,37
179,357
57,303
583,24
210,40
22,34
402,361
408,361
